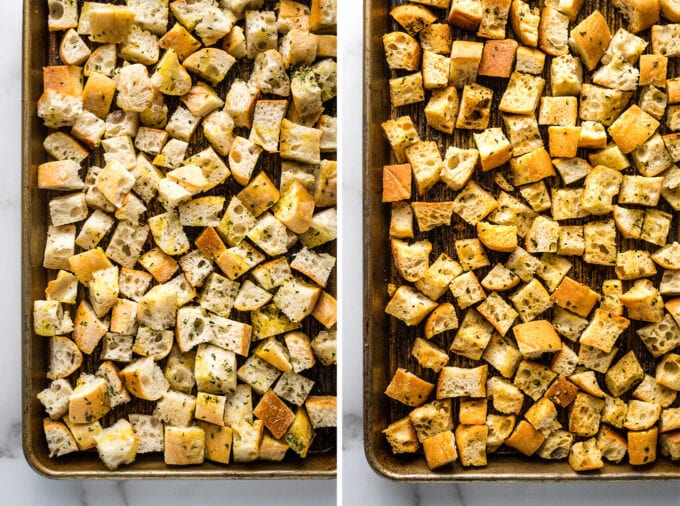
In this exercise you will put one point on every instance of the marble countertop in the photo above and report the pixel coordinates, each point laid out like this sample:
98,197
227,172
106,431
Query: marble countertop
360,485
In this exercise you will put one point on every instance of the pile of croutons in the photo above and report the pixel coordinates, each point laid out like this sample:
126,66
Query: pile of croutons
498,273
191,188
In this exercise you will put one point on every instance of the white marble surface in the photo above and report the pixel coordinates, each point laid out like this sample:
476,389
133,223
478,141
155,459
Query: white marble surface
21,486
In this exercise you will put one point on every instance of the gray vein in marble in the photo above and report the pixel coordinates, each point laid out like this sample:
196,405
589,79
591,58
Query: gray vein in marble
120,487
81,493
417,497
458,491
351,430
10,444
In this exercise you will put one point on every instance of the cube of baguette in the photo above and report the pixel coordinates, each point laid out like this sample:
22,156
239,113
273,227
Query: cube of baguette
585,456
525,438
536,337
498,58
402,51
641,14
533,378
556,445
429,355
625,374
561,392
471,443
440,449
642,446
553,32
632,128
442,109
144,379
436,37
426,164
432,418
475,107
653,69
184,445
600,242
590,39
89,400
466,14
531,167
502,354
408,388
473,335
462,382
402,436
500,428
612,445
575,297
301,434
505,397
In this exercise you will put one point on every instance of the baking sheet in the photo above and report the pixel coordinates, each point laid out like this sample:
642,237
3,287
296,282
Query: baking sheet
40,49
387,341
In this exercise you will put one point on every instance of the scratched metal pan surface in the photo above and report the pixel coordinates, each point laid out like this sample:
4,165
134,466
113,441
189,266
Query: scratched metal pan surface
387,341
39,49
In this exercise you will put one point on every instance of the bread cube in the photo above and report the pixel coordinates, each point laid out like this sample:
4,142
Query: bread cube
642,446
471,443
402,436
590,38
462,382
466,57
625,374
475,107
494,19
472,336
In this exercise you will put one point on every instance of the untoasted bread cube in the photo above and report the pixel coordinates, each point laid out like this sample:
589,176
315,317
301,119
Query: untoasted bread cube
462,382
529,60
642,446
322,410
625,374
475,107
408,388
465,60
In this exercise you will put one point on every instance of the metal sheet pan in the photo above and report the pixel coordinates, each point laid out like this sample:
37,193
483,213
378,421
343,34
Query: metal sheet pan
387,341
39,49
